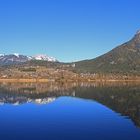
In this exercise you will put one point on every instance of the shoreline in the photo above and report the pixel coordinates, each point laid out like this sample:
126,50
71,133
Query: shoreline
42,80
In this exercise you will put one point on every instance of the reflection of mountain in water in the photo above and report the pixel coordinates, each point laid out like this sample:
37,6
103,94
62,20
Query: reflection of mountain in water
21,99
40,93
123,98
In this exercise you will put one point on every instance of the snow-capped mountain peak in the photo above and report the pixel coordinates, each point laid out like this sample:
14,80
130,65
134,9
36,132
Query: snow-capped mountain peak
45,58
16,54
2,55
7,59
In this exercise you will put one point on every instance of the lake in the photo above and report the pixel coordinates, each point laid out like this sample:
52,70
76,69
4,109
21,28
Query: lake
70,111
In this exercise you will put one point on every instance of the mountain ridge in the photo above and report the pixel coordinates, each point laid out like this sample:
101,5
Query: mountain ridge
9,59
123,58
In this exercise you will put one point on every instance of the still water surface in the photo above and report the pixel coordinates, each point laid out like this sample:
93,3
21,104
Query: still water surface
69,111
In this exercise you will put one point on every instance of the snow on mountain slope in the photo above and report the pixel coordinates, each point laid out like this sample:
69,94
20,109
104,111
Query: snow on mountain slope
17,58
45,58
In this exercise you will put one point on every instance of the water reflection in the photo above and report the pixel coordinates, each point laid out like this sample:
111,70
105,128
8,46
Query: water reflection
123,98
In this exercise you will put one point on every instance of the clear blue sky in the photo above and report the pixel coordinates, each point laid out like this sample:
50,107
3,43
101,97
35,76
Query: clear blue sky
69,30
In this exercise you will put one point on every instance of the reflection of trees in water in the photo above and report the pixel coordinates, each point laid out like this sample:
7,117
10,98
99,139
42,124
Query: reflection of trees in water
37,88
121,97
18,93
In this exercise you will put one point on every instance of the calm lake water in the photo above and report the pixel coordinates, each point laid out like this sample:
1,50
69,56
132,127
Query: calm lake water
69,111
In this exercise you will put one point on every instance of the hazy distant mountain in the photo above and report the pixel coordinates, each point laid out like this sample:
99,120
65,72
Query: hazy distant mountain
124,58
17,58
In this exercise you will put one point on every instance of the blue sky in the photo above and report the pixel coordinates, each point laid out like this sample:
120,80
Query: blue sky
69,30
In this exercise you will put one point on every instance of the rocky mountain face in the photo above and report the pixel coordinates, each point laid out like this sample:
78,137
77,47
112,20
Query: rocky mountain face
122,59
17,58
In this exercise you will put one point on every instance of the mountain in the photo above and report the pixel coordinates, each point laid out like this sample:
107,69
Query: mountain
17,58
13,59
45,58
122,59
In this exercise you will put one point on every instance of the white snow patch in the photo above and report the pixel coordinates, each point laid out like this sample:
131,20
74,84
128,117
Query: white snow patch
45,58
2,54
16,54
